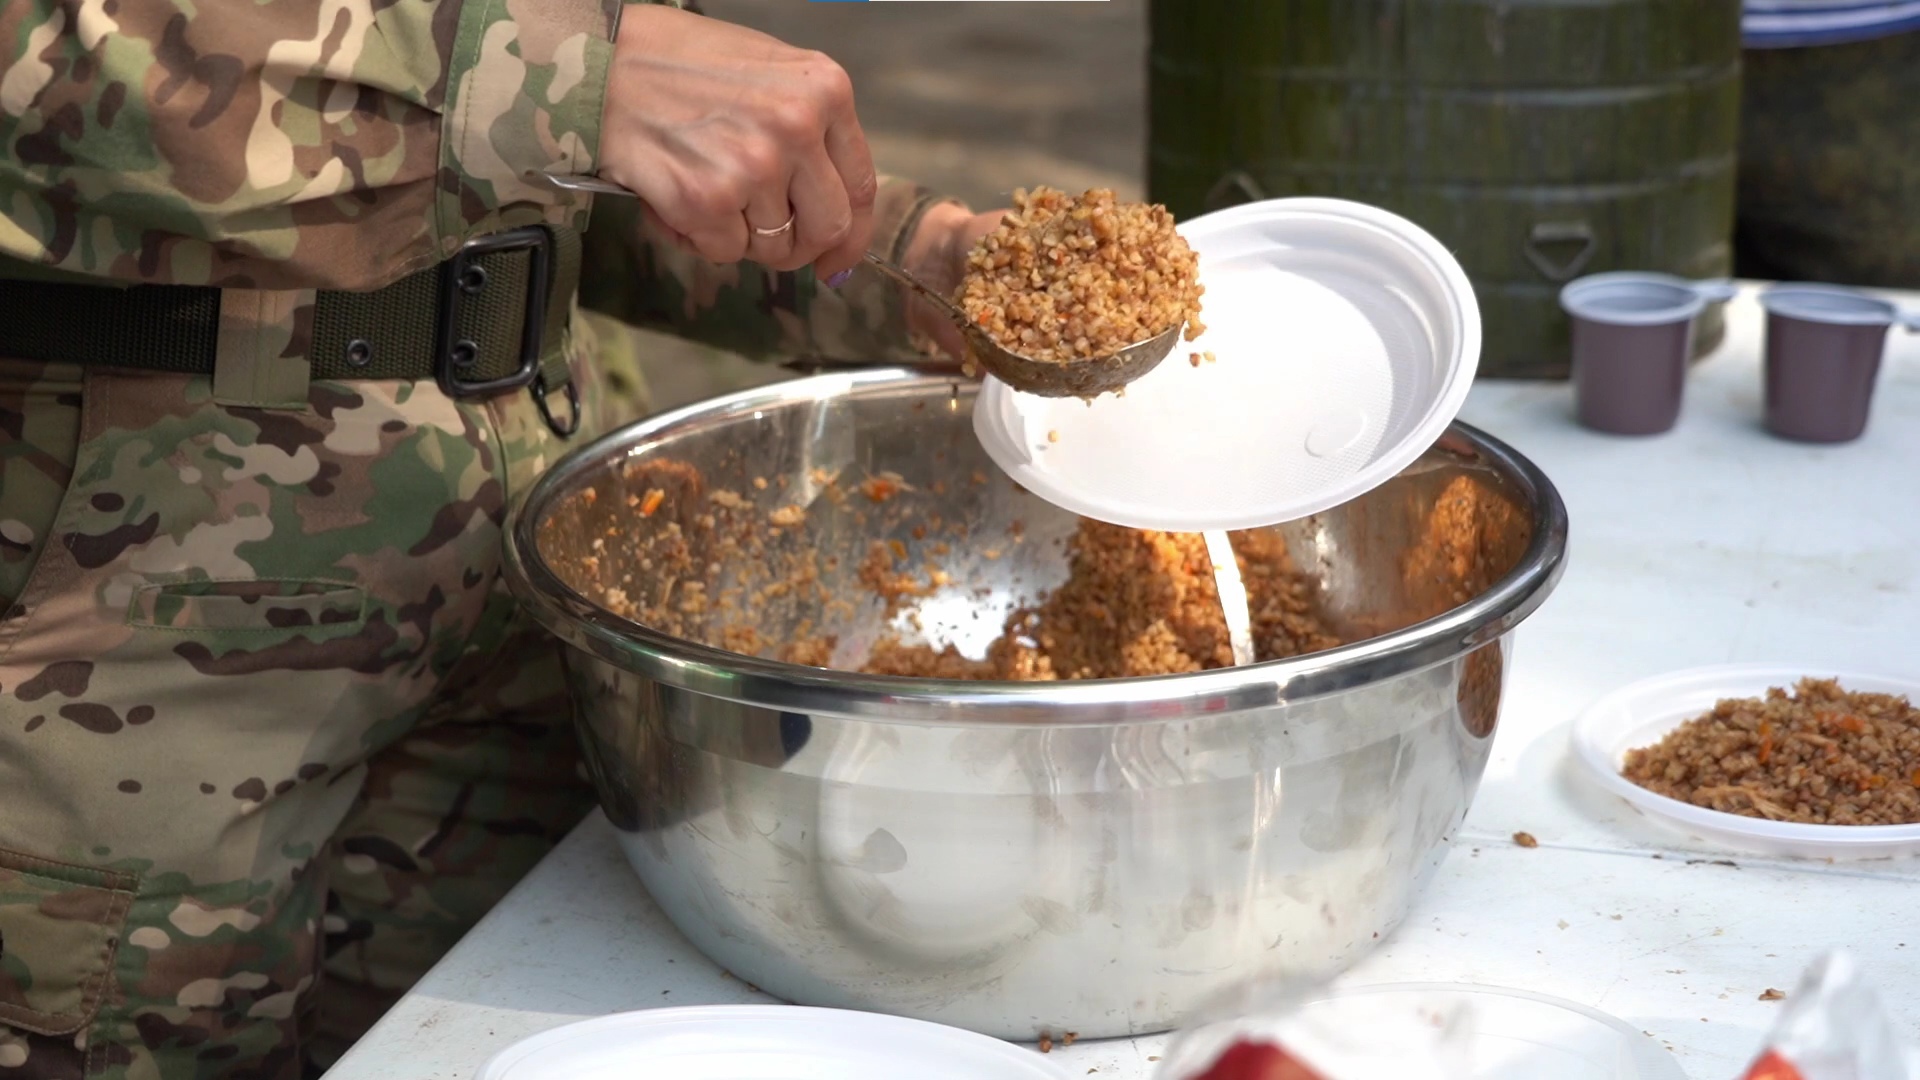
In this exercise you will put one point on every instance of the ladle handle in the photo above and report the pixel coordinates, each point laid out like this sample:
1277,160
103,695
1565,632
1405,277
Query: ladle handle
591,184
914,283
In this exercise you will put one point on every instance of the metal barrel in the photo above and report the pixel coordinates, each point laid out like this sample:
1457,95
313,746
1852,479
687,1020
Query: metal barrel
1830,164
1538,139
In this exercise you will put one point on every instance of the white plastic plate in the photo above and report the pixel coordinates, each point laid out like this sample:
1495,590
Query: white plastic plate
763,1042
1643,713
1509,1035
1345,341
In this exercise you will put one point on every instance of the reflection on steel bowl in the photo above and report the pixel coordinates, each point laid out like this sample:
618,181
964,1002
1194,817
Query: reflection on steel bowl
1095,857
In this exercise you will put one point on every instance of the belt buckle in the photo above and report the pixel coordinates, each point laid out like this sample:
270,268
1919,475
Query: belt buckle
452,354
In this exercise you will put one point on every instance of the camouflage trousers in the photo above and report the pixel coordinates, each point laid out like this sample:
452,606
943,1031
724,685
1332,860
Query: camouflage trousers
272,736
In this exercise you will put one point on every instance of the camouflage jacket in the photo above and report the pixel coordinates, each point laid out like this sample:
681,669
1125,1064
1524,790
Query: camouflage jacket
303,144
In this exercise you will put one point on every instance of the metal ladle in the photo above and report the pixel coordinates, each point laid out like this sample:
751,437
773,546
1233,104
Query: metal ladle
1087,377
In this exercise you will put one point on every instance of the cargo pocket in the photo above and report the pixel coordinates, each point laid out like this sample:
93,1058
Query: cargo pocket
60,927
324,607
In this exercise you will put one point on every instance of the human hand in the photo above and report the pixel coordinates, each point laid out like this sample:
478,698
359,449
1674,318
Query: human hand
727,134
937,255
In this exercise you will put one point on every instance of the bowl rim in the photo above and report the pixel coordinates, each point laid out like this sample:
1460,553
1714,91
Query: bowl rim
714,672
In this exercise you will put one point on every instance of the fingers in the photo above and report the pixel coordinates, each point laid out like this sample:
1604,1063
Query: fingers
772,228
659,231
780,202
847,149
728,135
712,216
824,220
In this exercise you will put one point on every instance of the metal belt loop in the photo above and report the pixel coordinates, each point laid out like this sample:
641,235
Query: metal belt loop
454,355
555,372
541,392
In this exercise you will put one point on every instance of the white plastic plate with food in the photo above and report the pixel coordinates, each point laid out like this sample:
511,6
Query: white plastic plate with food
1642,714
1343,338
763,1042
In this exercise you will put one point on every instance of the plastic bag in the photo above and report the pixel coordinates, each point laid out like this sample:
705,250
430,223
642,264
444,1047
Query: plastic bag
1267,1031
1834,1027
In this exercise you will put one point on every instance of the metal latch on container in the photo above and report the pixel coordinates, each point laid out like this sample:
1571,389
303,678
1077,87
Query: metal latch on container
1558,234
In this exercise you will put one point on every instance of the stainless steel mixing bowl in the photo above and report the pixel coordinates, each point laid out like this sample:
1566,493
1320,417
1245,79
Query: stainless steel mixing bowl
1032,858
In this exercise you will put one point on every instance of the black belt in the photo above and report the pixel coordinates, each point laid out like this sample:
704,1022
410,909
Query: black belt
488,320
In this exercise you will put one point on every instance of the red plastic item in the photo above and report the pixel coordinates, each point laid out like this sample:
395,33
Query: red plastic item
1257,1061
1772,1066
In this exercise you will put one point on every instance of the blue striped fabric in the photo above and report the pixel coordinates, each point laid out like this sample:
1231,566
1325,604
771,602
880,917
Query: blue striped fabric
1791,24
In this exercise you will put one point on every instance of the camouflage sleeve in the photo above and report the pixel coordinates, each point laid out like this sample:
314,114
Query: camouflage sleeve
285,144
631,273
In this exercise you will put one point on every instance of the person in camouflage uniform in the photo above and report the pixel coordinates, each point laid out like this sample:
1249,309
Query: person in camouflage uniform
272,734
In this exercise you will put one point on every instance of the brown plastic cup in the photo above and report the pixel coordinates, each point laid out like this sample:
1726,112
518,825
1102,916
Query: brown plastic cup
1632,336
1824,345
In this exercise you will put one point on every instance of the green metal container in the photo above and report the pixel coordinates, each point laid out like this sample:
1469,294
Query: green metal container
1538,139
1830,164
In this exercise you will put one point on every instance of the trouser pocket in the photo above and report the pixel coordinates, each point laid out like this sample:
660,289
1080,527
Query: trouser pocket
60,926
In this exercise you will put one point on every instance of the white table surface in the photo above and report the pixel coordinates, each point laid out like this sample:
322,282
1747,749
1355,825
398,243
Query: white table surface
1711,544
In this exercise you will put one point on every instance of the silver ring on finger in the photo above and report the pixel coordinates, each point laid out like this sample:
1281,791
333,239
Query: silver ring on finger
781,231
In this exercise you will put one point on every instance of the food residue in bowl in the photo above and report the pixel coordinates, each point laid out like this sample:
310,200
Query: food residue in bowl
883,486
1817,754
1133,603
822,577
